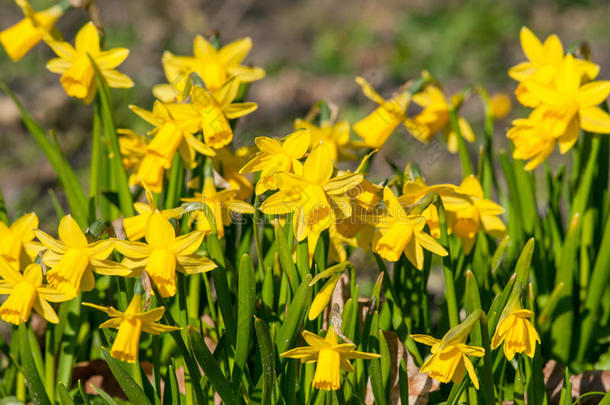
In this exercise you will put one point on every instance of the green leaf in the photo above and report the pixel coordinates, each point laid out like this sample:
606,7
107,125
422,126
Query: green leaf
375,364
267,357
285,255
210,368
64,395
32,378
133,391
171,394
295,315
246,296
107,398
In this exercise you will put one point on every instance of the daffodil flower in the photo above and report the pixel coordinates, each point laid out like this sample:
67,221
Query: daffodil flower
335,136
131,324
533,137
16,242
23,36
400,232
210,112
377,127
222,204
73,259
213,66
323,296
435,118
544,61
133,150
26,291
314,196
76,70
517,333
277,157
331,356
164,253
572,105
228,164
449,361
468,212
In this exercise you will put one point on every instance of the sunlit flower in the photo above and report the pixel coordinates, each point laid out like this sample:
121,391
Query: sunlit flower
16,242
73,259
131,324
26,291
377,127
400,232
213,66
316,197
135,226
133,150
23,36
499,105
323,296
468,212
228,165
533,137
222,204
435,118
543,64
517,333
74,65
331,357
277,157
163,254
448,360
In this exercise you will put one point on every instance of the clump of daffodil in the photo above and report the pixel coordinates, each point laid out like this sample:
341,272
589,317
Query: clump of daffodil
449,356
277,157
377,127
73,259
135,226
26,291
163,254
435,117
23,36
222,204
74,64
323,297
331,356
316,198
16,241
334,135
399,232
213,66
543,64
468,212
131,324
516,331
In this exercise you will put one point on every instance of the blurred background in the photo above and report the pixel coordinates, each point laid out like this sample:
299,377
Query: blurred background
312,50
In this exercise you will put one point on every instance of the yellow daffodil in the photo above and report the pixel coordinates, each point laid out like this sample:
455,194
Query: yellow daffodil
16,242
74,65
448,360
213,66
400,232
543,64
468,212
499,105
313,195
222,204
335,136
331,357
131,324
435,118
210,112
277,157
572,105
26,291
164,253
377,127
172,133
72,258
133,150
23,36
135,226
517,333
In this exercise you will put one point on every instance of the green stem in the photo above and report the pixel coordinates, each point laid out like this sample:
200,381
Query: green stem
450,296
94,171
462,150
49,362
